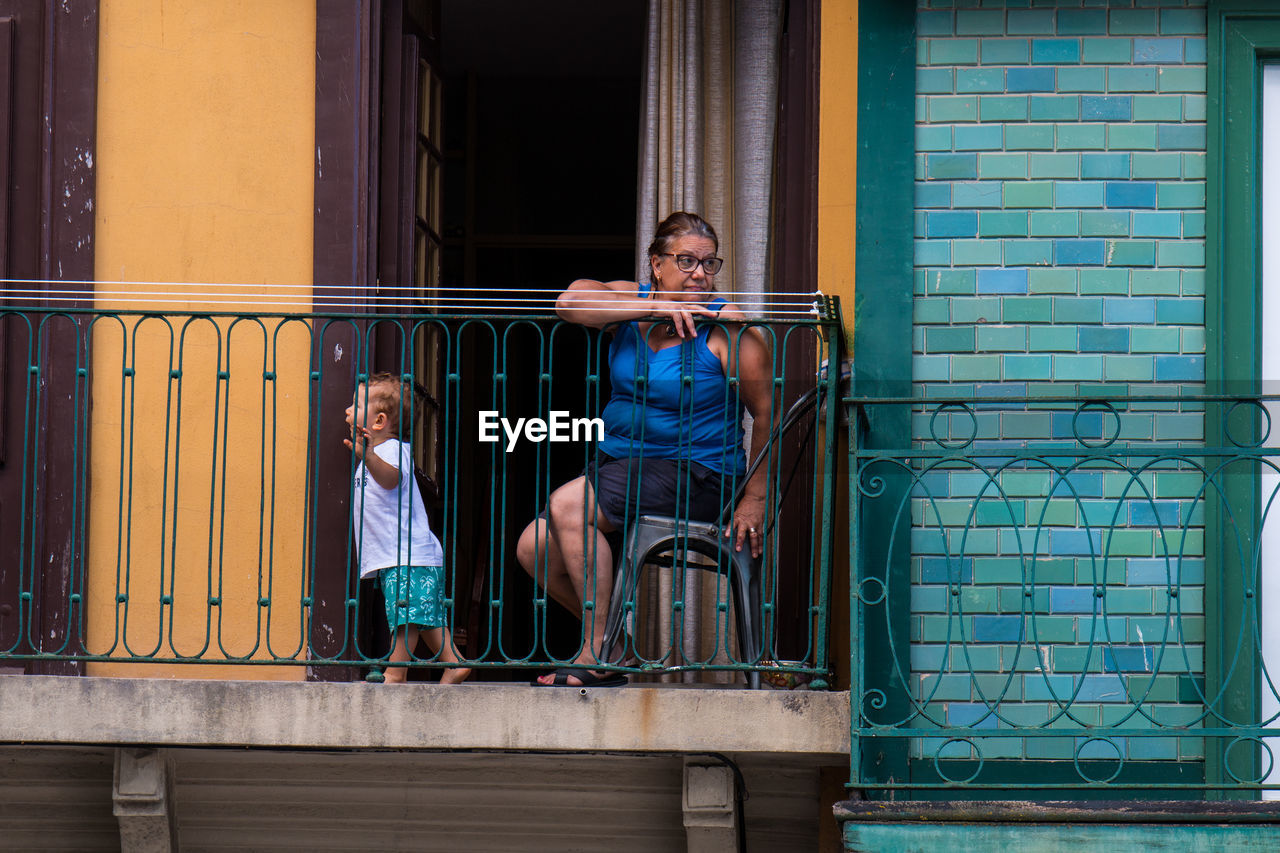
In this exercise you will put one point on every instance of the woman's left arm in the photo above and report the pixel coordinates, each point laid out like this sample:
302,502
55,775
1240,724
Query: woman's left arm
748,358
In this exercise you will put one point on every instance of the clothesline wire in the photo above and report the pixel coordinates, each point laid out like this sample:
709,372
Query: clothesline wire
791,304
215,287
408,308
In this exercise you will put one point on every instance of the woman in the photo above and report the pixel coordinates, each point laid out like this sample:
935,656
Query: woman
675,442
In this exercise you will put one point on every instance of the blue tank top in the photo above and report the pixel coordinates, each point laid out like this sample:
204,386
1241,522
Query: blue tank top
675,403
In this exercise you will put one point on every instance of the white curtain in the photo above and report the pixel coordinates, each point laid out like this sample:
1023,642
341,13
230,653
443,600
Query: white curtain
706,146
707,127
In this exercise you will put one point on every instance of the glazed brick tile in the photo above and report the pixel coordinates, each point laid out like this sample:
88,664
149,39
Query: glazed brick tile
1103,282
978,137
1107,50
1085,78
1157,107
980,22
1004,51
1052,280
1180,253
1106,107
1131,253
1003,165
1083,137
952,108
1104,223
1079,194
1079,252
1136,194
1002,223
1132,22
1028,194
951,166
1158,50
1187,78
1082,22
1030,22
1148,224
1054,108
1131,137
1030,79
1028,253
1183,22
1124,78
976,194
933,137
1055,51
1157,165
953,51
1111,165
1032,137
1002,281
1003,108
979,79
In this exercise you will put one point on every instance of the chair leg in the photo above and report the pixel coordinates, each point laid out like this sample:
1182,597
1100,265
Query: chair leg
624,583
746,587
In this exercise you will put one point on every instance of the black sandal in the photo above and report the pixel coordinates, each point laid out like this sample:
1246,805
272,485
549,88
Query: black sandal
586,678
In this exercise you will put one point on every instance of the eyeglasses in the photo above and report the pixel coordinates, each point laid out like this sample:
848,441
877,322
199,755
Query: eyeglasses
688,263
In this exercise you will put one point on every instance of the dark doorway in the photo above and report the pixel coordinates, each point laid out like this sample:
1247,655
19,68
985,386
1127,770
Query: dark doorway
541,135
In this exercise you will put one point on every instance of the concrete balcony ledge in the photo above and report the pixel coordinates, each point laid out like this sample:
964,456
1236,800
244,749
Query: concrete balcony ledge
165,712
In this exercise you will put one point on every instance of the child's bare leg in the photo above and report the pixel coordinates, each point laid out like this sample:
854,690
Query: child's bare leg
406,638
440,640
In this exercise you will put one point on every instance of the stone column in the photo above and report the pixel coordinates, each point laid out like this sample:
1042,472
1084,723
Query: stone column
142,800
710,807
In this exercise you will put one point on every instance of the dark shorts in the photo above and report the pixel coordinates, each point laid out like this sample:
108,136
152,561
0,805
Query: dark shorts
628,488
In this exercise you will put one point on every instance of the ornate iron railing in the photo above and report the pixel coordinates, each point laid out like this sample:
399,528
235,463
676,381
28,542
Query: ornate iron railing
175,490
1064,594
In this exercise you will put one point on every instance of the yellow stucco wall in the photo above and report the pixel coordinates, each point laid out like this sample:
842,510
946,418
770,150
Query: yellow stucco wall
838,150
204,174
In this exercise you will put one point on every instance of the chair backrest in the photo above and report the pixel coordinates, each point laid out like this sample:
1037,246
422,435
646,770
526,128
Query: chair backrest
813,398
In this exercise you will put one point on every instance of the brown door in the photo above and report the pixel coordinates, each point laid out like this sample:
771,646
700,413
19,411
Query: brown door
48,79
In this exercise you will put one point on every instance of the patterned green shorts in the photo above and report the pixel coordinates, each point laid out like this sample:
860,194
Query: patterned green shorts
414,596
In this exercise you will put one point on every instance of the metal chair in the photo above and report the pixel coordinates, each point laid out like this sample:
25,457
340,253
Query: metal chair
652,536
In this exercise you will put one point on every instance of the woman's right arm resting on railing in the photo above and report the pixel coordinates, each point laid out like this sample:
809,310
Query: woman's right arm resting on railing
600,304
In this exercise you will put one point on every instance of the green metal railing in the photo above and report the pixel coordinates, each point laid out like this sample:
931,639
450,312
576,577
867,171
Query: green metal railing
175,490
1064,596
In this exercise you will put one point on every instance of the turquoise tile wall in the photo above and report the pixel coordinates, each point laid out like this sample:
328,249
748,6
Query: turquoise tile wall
1060,196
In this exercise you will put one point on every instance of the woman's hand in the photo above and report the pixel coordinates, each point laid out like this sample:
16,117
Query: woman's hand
680,315
747,526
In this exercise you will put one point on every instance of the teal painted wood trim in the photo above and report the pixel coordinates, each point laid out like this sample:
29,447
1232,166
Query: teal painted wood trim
882,333
1057,838
1242,36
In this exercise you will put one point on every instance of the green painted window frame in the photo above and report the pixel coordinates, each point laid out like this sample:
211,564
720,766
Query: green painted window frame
1243,35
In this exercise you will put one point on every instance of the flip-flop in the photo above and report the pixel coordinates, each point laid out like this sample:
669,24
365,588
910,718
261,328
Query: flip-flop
586,677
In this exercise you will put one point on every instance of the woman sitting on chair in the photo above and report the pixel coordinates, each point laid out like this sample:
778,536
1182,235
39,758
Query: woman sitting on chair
673,428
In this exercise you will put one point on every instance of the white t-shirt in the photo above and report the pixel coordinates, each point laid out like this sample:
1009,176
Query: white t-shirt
391,527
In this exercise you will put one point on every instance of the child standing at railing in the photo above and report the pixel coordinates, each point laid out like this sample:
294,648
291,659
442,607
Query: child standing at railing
393,537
